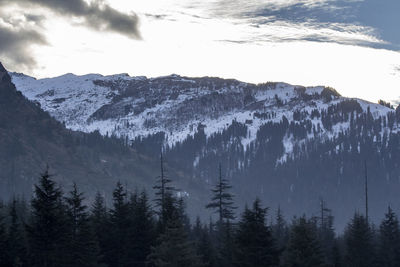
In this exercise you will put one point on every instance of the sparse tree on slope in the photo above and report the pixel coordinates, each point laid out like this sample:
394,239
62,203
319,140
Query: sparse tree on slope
222,200
162,191
223,205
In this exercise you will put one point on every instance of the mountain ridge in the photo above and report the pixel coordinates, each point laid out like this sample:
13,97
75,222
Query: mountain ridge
135,107
288,145
30,139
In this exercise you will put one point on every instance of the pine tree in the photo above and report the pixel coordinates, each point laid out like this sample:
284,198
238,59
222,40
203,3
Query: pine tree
162,191
83,248
255,245
204,245
326,234
47,231
222,203
184,217
303,248
359,243
222,200
116,252
225,244
389,241
99,222
196,230
174,249
3,241
142,233
280,231
17,252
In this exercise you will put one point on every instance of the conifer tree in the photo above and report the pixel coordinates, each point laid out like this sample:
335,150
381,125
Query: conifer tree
174,249
142,233
120,222
280,231
326,234
303,248
47,230
181,207
196,230
223,205
222,200
17,253
99,222
389,240
163,190
83,248
204,245
3,241
255,244
225,244
359,243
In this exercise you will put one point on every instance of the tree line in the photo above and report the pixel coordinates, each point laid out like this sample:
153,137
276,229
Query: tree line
64,229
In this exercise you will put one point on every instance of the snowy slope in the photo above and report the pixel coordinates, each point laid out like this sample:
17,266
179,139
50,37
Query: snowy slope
138,106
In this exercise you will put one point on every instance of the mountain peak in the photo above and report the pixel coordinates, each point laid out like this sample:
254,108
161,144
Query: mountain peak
2,69
3,72
5,79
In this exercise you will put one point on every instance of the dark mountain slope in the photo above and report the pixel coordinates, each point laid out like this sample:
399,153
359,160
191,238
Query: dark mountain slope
30,138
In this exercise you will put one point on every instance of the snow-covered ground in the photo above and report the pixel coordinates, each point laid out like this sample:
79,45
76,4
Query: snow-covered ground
74,99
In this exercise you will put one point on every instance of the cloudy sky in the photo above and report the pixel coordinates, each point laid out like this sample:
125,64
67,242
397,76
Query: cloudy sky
351,45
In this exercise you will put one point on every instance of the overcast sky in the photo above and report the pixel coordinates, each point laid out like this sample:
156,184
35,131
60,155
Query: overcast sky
351,45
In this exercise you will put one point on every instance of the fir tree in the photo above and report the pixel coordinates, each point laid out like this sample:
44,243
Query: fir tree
389,241
255,245
326,234
359,243
17,253
99,222
204,245
222,203
3,241
222,200
83,248
142,232
116,252
174,249
225,244
47,231
303,248
181,207
280,231
162,191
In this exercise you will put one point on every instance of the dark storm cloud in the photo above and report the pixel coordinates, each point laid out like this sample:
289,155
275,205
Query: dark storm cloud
18,33
96,15
15,47
37,19
17,36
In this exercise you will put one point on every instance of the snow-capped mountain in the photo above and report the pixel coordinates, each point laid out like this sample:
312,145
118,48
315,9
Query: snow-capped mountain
138,106
289,145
